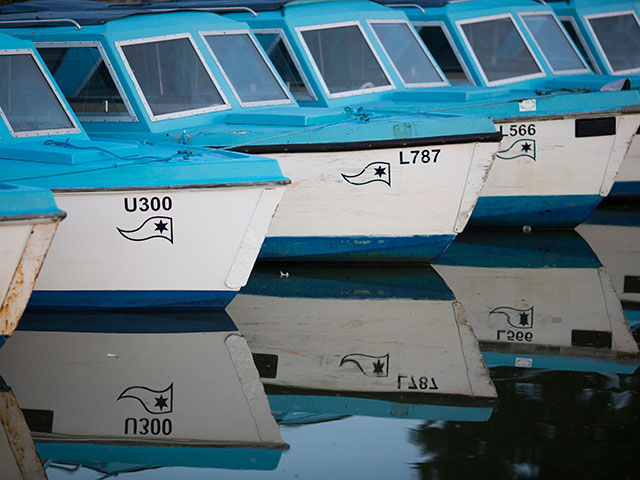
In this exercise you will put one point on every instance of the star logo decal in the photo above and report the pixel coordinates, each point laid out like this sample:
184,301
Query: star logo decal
378,366
526,147
380,172
524,319
161,402
161,226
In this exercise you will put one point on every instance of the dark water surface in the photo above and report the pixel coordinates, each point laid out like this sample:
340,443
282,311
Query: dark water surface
515,356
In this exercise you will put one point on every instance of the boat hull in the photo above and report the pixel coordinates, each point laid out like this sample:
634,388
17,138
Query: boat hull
23,247
396,204
553,172
162,248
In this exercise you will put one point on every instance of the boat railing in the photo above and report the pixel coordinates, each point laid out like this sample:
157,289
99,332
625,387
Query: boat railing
405,5
41,20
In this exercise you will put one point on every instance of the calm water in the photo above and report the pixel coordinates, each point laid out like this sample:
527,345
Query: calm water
513,357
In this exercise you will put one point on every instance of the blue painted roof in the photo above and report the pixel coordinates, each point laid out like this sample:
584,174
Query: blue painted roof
19,200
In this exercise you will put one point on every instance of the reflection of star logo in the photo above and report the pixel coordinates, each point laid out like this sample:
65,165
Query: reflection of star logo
377,366
380,171
524,319
160,226
161,402
526,147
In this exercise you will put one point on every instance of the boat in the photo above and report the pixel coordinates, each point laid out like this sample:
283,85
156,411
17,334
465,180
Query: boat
18,457
541,300
29,218
608,36
357,177
563,138
148,226
386,342
114,392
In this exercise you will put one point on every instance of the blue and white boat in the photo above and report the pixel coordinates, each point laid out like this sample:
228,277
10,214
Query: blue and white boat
362,340
29,218
541,300
366,187
148,225
564,139
118,392
607,32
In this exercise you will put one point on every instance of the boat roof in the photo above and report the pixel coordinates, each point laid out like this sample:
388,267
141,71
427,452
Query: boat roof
19,201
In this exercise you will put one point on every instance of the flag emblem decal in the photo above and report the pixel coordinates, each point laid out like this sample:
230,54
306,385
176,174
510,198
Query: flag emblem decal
153,401
374,172
152,227
517,318
522,148
370,365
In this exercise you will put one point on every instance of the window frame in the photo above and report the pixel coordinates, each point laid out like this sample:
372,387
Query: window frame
503,81
296,62
183,113
574,24
89,44
443,79
61,100
452,44
539,13
261,103
347,93
587,19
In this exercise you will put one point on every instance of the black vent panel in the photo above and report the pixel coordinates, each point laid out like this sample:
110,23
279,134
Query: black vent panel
266,364
590,338
595,127
39,420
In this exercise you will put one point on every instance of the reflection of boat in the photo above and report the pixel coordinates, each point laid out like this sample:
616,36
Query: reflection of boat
196,77
540,300
131,391
389,342
18,457
135,212
615,237
29,218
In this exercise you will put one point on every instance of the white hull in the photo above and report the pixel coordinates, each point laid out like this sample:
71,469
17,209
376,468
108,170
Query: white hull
551,311
416,199
177,247
23,247
556,163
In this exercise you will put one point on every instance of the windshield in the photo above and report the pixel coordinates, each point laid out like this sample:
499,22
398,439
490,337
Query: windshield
500,49
579,42
440,47
344,59
85,81
172,77
26,97
553,42
246,69
619,37
280,56
411,61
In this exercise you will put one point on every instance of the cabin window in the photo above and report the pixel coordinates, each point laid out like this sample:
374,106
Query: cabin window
27,99
554,43
85,81
619,39
439,44
172,77
345,60
247,70
501,51
288,68
408,56
579,41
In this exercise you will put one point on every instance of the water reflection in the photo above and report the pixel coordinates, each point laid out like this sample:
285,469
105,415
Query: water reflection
333,340
122,392
540,300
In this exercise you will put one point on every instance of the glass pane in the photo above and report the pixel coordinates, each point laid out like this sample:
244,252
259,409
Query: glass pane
281,58
568,26
85,81
553,42
247,71
438,44
620,39
412,63
344,59
500,49
26,97
172,76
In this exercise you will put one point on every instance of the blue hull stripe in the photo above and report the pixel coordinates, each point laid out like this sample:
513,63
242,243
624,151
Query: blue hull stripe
113,299
625,189
552,362
536,211
356,248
